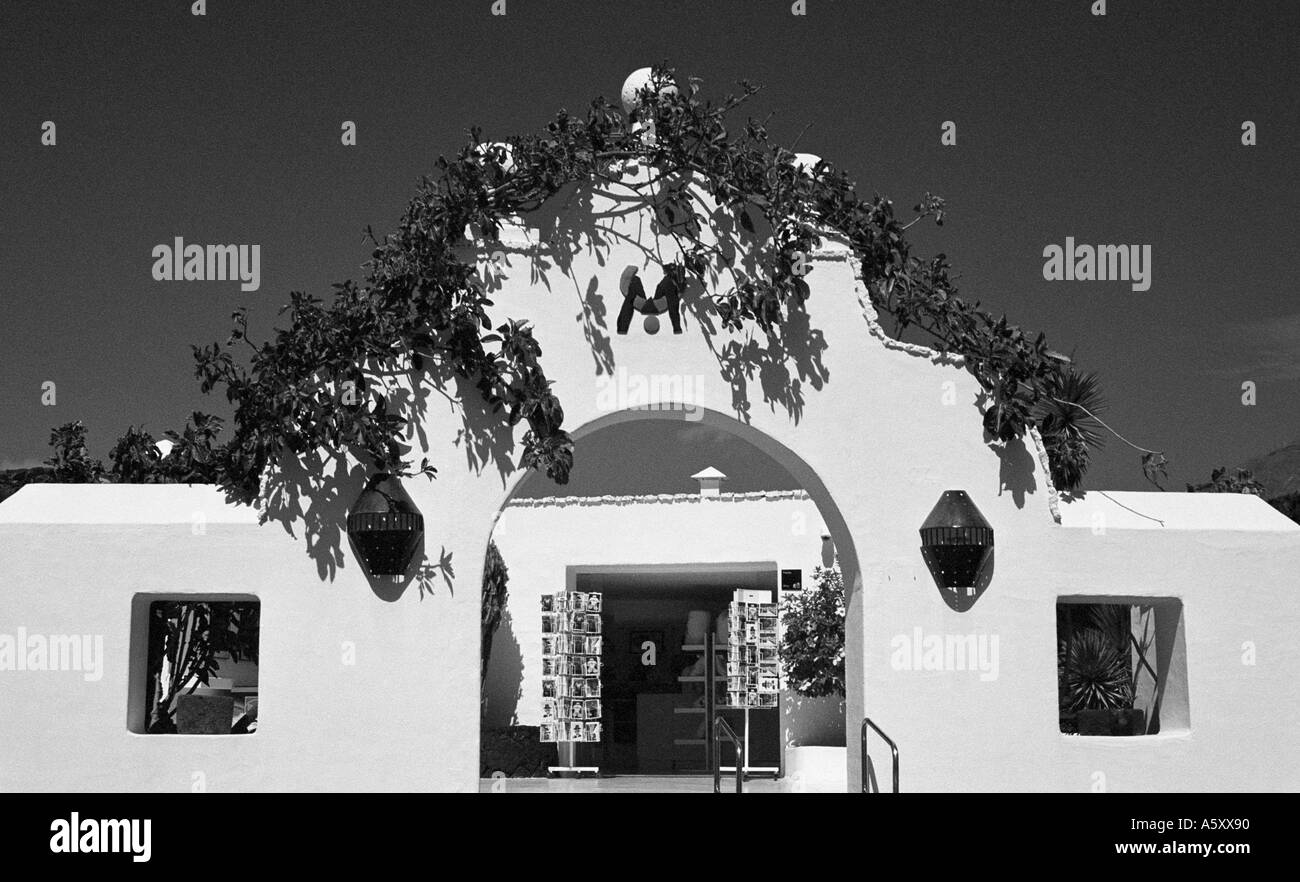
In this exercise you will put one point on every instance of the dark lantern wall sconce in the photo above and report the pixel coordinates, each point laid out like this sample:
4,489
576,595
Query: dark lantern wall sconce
957,545
385,526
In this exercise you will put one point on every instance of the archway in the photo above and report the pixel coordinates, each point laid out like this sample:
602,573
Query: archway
791,461
883,427
697,555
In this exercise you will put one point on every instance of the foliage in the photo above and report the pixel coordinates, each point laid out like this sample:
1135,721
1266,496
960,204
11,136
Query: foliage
71,462
812,647
13,480
422,306
190,637
495,595
1067,418
191,459
1240,481
1093,656
1096,673
137,460
1154,467
1289,505
135,456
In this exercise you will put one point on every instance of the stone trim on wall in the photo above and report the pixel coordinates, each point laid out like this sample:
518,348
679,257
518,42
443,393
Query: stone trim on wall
658,499
1053,495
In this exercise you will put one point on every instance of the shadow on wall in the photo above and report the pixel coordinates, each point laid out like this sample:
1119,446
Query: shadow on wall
963,599
1016,470
784,362
1016,460
330,485
788,357
503,686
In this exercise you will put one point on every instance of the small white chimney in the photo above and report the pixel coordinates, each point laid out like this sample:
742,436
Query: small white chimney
710,482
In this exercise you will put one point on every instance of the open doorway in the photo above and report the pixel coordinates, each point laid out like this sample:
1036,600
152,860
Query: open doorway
656,620
697,517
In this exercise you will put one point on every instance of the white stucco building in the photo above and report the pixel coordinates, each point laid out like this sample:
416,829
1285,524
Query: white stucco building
372,683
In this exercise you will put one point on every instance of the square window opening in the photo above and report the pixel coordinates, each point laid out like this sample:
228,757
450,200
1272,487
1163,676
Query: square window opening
1121,666
194,664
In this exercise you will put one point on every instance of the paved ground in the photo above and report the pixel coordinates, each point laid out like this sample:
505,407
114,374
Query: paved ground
628,784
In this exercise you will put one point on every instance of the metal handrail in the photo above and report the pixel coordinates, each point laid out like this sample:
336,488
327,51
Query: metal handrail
866,721
722,727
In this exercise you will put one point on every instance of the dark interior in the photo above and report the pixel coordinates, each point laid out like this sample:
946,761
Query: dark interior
655,722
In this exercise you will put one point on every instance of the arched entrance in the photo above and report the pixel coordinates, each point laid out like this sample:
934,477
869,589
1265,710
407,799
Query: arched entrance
663,563
787,458
873,429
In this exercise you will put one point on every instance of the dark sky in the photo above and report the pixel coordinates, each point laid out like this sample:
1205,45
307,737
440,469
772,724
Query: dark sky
1122,129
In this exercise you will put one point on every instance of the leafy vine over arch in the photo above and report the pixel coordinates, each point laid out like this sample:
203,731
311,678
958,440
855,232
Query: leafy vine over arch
421,303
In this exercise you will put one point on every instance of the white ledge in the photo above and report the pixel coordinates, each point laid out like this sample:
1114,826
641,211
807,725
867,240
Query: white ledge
1135,510
123,504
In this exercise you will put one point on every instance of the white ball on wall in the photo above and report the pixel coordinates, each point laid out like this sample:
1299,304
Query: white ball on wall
638,81
806,162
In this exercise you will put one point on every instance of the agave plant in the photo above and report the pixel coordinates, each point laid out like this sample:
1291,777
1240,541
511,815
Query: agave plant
1096,673
1113,620
1066,417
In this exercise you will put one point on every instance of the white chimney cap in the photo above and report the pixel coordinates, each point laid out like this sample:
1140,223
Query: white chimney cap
709,473
710,482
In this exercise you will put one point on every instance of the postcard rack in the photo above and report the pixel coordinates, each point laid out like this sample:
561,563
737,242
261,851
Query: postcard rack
753,667
572,644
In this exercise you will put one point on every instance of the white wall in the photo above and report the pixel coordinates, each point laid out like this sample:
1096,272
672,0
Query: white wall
960,733
323,724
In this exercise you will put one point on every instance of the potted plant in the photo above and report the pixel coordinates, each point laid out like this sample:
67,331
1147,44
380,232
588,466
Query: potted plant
1096,681
812,653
